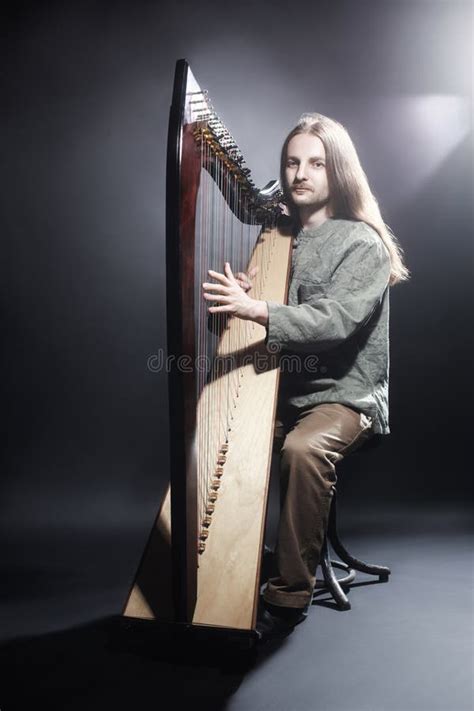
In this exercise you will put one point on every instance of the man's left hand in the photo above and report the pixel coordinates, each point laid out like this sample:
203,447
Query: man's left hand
230,295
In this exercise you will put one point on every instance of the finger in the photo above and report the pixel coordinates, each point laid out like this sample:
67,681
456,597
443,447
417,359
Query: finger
219,288
217,297
217,275
228,271
242,280
218,309
246,275
243,284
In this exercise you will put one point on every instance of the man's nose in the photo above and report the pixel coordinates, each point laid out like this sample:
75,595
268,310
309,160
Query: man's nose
301,172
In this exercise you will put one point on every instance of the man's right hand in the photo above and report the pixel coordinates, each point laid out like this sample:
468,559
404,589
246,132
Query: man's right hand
244,280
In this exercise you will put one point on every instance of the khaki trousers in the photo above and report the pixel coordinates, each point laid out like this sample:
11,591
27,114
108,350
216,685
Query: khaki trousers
312,445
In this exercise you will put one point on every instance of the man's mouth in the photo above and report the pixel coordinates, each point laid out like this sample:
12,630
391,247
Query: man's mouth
299,189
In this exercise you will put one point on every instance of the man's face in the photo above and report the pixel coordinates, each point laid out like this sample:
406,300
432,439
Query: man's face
305,172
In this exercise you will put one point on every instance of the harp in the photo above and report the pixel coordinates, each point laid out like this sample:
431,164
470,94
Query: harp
201,565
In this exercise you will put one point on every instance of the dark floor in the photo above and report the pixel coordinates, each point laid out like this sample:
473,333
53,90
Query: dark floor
406,645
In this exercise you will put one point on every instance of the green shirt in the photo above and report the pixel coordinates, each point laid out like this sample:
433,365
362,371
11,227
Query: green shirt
333,336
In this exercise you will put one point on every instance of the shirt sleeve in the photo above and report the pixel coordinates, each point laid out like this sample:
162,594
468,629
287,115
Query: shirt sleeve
327,319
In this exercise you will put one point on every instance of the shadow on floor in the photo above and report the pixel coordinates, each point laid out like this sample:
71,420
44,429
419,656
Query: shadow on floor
103,665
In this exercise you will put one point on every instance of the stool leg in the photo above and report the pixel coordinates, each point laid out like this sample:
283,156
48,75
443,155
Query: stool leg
382,571
331,581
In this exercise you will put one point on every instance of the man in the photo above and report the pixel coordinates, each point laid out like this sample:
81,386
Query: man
344,260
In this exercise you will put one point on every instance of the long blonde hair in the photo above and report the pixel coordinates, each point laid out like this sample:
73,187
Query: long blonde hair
350,195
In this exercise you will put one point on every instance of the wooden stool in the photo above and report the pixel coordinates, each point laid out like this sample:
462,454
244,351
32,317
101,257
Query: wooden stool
348,563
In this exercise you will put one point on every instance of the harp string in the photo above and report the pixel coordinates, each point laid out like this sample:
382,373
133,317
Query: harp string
227,232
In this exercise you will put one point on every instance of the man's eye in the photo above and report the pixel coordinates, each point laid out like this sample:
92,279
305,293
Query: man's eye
291,164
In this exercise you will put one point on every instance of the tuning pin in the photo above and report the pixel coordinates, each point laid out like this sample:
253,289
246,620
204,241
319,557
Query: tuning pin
203,535
207,520
219,471
201,547
221,459
210,508
215,484
224,448
212,496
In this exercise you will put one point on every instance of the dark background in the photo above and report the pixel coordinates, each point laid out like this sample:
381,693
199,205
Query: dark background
87,88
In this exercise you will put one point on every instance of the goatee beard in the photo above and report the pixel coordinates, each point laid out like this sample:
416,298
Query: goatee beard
314,206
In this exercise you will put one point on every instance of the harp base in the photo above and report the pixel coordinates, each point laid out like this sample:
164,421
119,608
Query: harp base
130,632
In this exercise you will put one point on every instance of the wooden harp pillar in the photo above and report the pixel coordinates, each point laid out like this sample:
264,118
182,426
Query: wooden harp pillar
201,565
